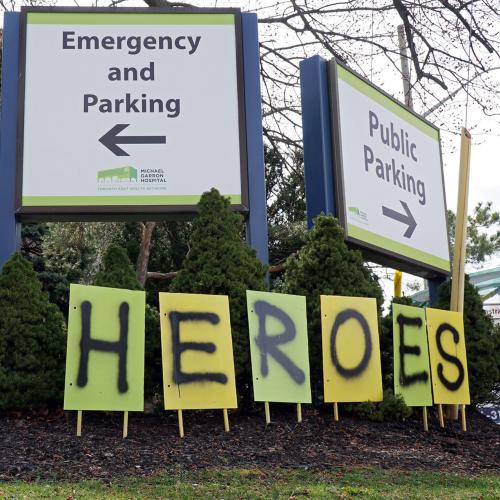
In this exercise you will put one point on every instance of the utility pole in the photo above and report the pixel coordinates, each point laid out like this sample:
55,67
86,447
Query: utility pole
405,69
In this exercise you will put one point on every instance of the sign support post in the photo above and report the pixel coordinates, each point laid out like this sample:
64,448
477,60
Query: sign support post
181,423
10,230
226,420
267,412
317,138
257,218
125,424
79,415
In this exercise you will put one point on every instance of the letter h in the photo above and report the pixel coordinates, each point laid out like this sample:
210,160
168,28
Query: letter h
87,343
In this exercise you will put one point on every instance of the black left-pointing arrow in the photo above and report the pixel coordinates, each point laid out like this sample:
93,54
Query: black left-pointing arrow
111,139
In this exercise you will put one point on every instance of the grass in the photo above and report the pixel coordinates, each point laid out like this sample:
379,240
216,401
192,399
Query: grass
242,483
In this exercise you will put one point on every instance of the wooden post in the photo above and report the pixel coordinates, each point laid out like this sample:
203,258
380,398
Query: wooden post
181,423
424,417
458,271
79,423
336,412
458,274
464,421
226,420
125,424
299,413
441,417
268,412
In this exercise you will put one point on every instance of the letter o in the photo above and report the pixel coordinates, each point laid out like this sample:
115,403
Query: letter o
341,318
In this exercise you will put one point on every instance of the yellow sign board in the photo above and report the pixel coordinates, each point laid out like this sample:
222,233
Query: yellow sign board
351,350
197,352
450,379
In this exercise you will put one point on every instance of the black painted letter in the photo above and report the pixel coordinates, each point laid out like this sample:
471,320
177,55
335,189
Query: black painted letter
268,345
405,349
451,386
341,318
179,347
87,344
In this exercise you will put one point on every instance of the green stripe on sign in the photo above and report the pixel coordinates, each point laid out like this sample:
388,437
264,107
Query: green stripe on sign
123,18
399,248
366,89
78,201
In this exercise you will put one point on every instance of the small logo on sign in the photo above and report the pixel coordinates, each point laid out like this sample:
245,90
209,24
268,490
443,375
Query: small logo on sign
122,174
356,213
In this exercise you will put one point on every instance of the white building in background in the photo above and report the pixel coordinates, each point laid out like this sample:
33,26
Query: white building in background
492,307
488,284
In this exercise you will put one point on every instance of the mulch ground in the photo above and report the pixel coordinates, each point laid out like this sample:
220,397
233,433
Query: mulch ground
36,447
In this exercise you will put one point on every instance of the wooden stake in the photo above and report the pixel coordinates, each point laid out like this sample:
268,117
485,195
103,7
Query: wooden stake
125,424
464,422
458,274
181,423
268,412
441,418
336,412
299,413
226,420
79,423
458,271
424,417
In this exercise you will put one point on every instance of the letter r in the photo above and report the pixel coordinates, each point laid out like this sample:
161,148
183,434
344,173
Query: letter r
268,344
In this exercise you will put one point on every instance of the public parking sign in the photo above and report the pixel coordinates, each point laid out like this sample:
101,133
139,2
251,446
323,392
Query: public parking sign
389,180
129,111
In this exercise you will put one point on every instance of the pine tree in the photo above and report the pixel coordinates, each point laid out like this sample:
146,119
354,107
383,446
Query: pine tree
221,263
326,266
483,355
32,340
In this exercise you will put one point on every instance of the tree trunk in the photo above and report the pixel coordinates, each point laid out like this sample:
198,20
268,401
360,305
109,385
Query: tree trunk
143,258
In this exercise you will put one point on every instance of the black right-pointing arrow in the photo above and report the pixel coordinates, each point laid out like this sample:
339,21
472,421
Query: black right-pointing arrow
407,218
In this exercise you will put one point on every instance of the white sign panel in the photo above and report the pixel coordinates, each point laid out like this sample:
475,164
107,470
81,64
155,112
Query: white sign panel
389,167
131,109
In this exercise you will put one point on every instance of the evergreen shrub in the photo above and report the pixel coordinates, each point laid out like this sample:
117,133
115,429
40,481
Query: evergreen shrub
117,271
392,407
32,341
219,262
